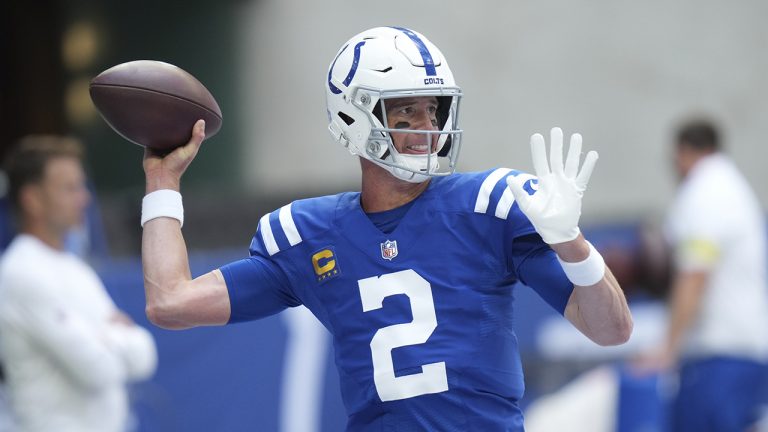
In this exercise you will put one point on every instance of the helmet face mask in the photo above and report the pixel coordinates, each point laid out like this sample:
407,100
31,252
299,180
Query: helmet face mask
388,63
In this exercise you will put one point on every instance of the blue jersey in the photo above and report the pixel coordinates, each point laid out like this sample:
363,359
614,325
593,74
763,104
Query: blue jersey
421,317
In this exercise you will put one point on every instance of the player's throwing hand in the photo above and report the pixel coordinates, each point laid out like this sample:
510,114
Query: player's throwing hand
554,209
164,171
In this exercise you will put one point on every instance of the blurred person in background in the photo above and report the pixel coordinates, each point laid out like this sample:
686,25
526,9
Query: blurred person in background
67,350
414,275
717,334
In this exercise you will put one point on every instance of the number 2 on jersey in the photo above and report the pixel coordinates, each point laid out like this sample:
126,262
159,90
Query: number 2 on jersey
432,378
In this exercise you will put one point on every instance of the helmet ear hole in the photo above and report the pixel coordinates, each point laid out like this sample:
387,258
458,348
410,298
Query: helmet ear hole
443,110
446,149
443,113
377,113
347,119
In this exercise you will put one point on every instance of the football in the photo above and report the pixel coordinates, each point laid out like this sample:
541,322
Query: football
154,104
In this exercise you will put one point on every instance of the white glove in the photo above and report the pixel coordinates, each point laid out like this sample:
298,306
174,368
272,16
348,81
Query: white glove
554,209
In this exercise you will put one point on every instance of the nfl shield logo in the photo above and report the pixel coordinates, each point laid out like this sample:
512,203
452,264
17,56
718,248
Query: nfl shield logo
389,250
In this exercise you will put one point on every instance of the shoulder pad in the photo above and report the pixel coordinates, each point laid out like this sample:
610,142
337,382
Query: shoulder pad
492,196
289,225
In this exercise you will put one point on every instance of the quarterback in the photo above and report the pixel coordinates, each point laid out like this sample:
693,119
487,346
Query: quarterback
415,274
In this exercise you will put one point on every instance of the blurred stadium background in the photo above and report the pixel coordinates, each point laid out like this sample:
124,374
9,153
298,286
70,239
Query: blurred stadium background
622,73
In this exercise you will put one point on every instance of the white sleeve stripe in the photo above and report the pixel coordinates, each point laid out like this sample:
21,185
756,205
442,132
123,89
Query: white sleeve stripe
505,204
483,197
289,227
267,235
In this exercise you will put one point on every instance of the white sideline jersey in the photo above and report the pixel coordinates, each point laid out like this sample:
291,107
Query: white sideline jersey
66,362
716,224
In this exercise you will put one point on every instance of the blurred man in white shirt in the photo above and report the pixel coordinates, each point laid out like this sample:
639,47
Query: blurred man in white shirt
718,326
68,352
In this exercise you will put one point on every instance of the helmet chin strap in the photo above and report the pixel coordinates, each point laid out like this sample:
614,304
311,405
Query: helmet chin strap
416,164
408,176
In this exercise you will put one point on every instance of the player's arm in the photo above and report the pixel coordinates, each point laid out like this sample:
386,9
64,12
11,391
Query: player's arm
174,299
597,306
600,310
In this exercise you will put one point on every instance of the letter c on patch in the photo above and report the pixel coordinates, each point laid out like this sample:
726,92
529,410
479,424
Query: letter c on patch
324,254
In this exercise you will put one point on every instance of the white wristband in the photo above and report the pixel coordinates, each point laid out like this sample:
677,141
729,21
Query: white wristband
162,203
587,272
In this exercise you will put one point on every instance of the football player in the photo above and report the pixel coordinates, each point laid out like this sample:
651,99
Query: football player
414,276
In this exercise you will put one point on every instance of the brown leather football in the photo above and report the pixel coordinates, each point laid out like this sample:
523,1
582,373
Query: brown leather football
154,104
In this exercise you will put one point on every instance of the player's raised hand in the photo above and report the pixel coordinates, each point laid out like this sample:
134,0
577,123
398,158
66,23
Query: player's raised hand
554,209
164,170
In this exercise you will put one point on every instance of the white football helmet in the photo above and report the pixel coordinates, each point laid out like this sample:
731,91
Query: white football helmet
386,63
